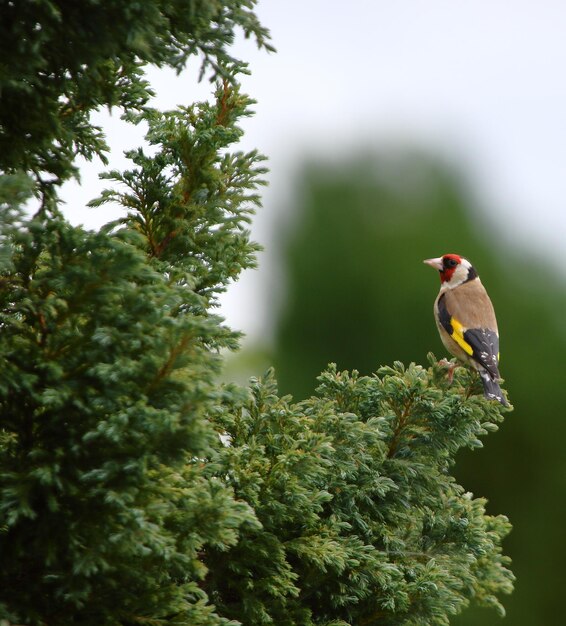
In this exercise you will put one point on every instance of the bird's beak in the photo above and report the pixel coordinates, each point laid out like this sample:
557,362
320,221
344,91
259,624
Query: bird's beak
436,263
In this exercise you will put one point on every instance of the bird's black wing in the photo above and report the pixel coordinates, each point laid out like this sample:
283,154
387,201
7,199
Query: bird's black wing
481,344
485,348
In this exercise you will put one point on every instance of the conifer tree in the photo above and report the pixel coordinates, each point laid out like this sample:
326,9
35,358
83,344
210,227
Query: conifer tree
361,520
134,488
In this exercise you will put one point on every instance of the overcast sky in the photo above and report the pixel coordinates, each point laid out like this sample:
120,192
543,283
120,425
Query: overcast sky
478,81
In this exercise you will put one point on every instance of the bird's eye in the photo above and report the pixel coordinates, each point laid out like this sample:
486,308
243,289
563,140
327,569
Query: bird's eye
450,263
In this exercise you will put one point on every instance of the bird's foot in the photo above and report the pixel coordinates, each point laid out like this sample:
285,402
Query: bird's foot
450,366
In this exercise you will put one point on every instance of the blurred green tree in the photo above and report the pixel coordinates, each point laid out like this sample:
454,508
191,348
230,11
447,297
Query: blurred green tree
357,293
360,232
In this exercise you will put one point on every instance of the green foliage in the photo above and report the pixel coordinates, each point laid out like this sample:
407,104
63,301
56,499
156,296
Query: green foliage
109,347
62,61
362,523
103,434
190,200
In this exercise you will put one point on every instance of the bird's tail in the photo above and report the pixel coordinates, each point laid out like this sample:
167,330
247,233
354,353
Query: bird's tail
491,388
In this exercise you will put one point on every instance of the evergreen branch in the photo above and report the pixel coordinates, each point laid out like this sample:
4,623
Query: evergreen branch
402,419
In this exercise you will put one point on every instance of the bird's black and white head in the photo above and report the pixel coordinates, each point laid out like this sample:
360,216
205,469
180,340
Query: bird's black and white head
453,269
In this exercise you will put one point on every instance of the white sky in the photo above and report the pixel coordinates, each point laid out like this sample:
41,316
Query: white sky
478,81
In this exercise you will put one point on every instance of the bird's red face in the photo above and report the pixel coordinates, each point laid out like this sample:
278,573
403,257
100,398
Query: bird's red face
450,263
446,265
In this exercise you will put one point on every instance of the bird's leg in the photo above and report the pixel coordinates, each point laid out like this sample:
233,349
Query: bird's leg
450,367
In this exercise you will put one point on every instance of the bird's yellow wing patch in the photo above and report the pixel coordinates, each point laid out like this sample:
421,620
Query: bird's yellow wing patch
458,335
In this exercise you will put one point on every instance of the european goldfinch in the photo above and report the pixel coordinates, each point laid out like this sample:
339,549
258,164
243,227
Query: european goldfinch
466,320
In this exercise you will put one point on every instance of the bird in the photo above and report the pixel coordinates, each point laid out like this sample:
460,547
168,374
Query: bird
466,320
